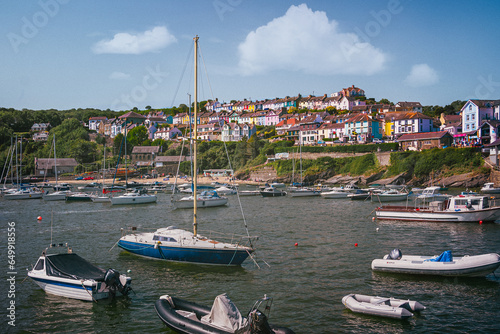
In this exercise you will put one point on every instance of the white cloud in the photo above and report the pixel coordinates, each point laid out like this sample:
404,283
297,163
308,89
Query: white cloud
119,76
307,41
126,43
421,75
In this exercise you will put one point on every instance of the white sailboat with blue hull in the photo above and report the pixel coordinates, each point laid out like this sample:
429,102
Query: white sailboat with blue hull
174,244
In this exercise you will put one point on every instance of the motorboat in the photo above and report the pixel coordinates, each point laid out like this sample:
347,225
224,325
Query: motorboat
272,192
79,197
382,306
390,195
303,192
443,265
69,275
59,195
249,192
179,245
90,186
133,197
489,188
223,317
335,193
206,199
225,190
359,195
431,194
459,208
278,185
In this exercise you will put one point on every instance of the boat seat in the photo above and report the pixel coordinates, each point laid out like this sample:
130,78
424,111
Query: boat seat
188,315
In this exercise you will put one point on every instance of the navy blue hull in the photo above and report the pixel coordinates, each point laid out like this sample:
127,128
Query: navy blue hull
191,255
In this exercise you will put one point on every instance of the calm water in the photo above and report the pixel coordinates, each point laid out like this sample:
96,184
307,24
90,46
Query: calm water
307,282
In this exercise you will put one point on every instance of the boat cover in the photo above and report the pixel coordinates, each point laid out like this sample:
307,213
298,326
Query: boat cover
224,314
72,266
444,257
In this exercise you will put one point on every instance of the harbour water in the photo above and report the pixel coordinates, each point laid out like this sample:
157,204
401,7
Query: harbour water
307,281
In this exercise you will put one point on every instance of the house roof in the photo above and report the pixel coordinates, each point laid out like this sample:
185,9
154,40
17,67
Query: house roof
423,135
146,149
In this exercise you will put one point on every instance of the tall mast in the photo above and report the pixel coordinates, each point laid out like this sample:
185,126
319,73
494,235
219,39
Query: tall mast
195,165
55,159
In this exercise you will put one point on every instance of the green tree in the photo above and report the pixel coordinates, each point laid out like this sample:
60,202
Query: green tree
137,136
83,151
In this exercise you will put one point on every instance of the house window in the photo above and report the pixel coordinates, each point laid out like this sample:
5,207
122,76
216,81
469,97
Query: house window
467,118
472,116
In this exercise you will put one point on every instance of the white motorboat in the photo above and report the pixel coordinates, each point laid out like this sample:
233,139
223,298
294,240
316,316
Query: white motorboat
79,197
381,306
359,195
206,199
391,195
278,185
133,197
69,275
489,188
303,192
431,194
272,192
459,208
336,193
249,192
224,190
59,195
442,265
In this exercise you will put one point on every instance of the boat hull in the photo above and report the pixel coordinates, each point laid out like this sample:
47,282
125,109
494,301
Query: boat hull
468,266
378,306
121,200
334,194
304,193
184,317
200,203
75,290
404,213
187,254
17,196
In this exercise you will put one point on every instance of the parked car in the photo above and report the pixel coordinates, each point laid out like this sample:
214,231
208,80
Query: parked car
79,178
88,178
377,141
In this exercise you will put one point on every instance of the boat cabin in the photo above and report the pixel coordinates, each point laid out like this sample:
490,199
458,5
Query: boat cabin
468,202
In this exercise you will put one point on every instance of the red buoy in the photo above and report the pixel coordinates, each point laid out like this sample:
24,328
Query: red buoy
356,244
296,244
480,222
39,218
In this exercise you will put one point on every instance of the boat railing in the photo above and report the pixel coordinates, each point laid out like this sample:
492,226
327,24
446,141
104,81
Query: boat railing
229,237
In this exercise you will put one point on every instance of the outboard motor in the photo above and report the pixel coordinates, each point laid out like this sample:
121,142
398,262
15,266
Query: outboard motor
395,254
113,281
258,323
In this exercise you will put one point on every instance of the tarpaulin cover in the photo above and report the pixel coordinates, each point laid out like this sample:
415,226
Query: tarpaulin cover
73,266
444,257
224,314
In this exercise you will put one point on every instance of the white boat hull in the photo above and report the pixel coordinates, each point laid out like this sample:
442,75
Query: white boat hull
389,197
469,266
188,202
23,195
380,306
143,199
403,213
303,193
335,194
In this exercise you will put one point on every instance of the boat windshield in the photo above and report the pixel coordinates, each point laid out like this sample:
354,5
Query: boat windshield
160,238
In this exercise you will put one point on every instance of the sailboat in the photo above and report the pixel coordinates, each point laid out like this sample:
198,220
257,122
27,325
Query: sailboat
174,244
209,197
102,198
22,192
135,196
302,191
58,195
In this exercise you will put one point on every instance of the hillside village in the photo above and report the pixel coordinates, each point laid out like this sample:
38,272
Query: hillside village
344,117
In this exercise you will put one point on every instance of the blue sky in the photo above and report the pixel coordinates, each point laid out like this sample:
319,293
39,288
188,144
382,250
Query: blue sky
120,54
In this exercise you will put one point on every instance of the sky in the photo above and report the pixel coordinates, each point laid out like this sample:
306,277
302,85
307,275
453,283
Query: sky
121,54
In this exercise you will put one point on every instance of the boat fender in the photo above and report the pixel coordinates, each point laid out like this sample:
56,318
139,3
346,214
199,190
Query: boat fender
395,254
